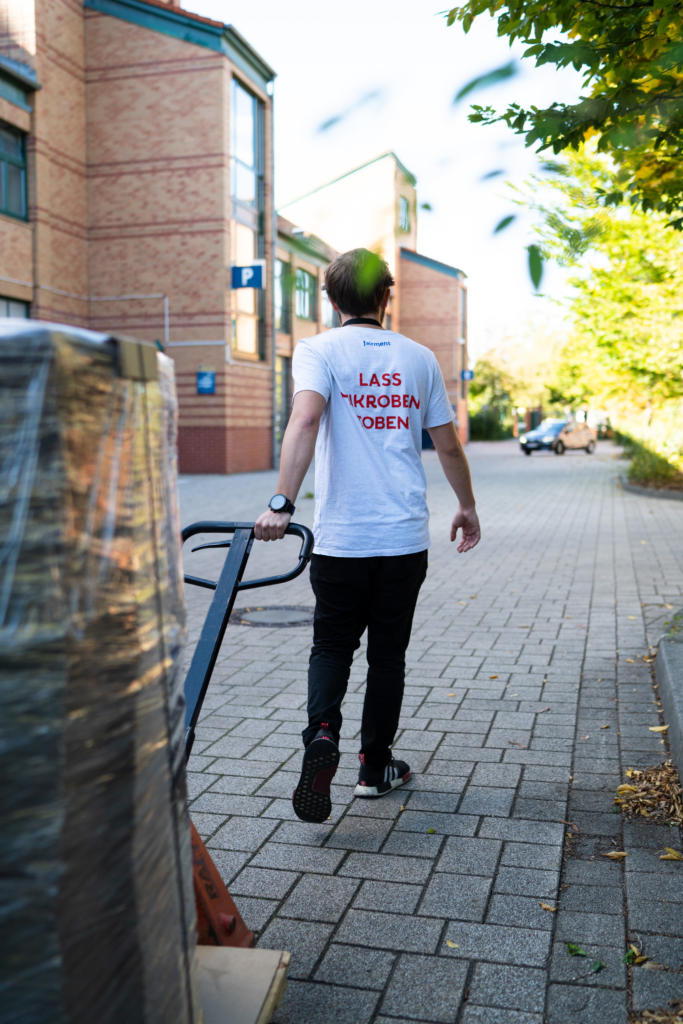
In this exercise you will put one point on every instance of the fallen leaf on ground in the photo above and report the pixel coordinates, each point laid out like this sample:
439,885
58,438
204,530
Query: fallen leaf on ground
658,728
431,831
652,965
542,710
615,854
671,854
493,677
604,726
575,950
655,794
631,661
597,966
633,956
452,695
452,945
546,906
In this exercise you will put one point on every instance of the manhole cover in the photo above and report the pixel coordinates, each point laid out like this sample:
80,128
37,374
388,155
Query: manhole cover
275,615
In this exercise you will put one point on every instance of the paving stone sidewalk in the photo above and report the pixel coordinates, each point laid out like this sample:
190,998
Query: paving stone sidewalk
528,694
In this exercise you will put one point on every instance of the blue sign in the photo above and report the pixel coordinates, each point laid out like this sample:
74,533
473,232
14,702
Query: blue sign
252,276
206,382
467,375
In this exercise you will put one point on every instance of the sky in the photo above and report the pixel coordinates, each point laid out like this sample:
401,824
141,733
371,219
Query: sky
358,79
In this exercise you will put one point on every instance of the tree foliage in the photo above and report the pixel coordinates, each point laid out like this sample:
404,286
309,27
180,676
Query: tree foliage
625,352
631,58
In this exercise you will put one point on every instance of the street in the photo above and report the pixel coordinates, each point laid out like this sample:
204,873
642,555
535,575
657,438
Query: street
460,897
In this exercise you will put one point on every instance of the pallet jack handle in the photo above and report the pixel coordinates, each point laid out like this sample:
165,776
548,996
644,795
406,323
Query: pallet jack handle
226,588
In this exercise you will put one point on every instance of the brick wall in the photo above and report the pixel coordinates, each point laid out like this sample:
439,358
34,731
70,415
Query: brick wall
431,313
158,122
57,229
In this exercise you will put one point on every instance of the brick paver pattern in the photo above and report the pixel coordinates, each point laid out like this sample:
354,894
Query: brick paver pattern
527,696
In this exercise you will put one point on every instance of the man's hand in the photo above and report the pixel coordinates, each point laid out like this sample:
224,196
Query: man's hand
271,525
466,520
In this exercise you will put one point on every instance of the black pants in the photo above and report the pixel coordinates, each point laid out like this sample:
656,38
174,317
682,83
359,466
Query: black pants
352,595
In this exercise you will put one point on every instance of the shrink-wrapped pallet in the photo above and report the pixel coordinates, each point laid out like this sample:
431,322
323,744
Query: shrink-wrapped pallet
96,905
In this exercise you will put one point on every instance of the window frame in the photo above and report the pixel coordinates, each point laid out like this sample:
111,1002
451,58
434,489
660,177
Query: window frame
250,213
7,159
5,312
282,285
327,311
403,213
305,295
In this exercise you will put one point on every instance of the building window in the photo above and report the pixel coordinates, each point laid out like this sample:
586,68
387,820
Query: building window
403,214
248,240
306,292
13,172
246,302
283,372
283,300
329,313
14,307
247,147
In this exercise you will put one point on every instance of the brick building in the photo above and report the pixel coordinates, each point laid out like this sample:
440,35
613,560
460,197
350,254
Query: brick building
375,205
135,170
301,306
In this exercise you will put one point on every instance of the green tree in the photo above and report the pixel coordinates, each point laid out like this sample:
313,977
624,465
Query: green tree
625,353
631,57
490,401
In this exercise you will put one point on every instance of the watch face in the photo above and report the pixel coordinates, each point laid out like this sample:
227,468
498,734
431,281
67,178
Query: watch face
278,502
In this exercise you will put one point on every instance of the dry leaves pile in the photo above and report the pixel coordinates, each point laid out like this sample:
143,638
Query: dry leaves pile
653,793
674,1015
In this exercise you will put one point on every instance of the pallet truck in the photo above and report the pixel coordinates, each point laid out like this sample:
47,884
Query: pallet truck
218,921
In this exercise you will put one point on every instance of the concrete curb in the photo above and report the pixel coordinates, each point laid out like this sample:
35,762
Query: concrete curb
650,492
669,674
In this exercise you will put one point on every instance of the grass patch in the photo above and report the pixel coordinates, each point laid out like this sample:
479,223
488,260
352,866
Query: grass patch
649,468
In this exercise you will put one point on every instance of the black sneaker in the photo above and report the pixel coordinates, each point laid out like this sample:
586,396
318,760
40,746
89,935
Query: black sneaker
374,782
311,798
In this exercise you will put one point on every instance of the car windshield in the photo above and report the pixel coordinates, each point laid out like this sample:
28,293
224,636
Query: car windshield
551,426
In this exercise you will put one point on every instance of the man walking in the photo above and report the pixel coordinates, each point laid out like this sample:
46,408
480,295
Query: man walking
361,400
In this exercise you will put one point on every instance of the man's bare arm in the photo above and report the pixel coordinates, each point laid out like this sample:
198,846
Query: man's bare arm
298,447
457,471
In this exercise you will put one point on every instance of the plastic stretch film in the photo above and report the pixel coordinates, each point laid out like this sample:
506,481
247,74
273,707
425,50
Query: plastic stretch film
97,914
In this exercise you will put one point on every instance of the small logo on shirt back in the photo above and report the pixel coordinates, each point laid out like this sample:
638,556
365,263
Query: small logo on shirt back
376,344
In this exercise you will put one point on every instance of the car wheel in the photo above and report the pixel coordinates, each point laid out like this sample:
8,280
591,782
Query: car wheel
559,448
590,447
527,451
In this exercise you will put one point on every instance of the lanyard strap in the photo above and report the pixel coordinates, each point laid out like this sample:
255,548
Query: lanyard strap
361,320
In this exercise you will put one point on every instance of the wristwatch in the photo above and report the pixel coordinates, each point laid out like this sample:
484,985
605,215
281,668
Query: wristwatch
280,503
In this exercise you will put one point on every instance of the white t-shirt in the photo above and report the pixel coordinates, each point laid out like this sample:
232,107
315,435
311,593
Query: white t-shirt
381,389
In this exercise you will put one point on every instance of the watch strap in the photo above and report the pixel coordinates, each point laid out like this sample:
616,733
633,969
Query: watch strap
288,506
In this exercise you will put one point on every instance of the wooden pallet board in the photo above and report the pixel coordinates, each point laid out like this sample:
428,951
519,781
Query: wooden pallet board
241,986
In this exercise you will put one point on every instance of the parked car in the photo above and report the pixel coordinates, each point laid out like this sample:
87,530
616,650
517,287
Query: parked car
558,436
